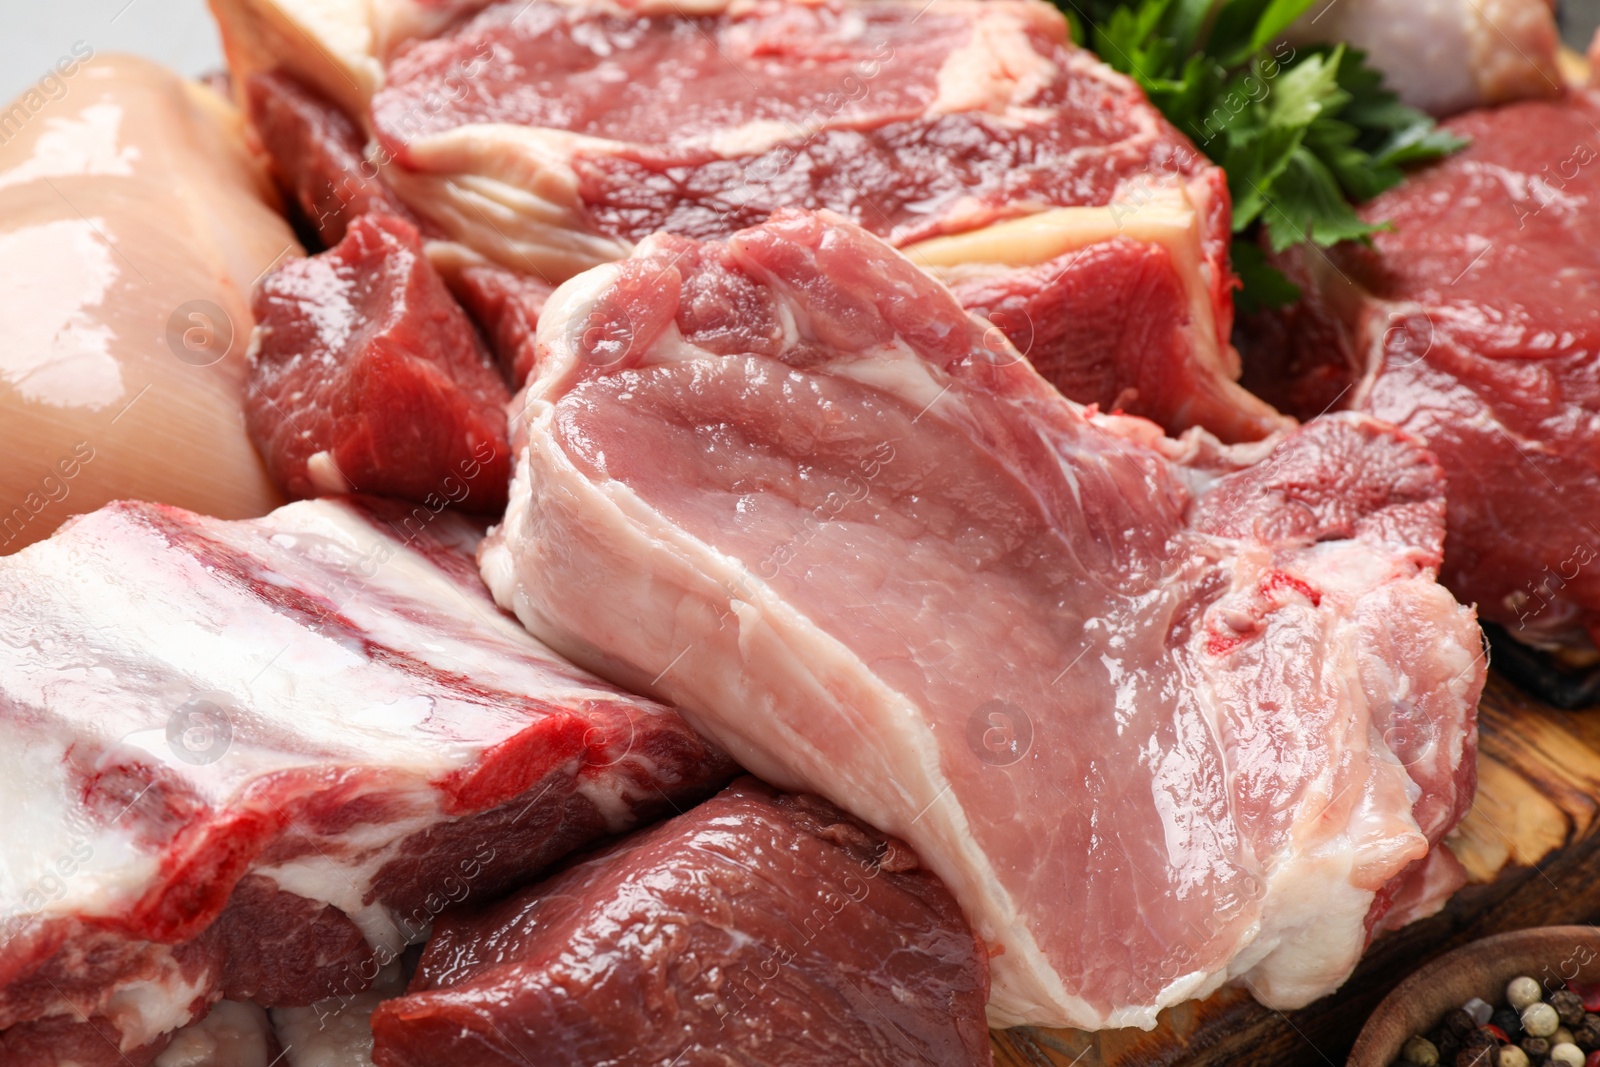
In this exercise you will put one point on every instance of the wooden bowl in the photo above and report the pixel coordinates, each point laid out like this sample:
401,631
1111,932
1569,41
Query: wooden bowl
1551,954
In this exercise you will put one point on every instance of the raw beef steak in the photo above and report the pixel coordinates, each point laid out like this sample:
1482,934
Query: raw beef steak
551,136
366,376
1475,325
1157,716
255,759
757,929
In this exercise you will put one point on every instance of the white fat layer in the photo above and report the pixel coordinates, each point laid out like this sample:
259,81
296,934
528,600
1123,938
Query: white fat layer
998,69
325,475
143,1011
156,634
328,43
344,880
54,857
336,1032
231,1035
508,192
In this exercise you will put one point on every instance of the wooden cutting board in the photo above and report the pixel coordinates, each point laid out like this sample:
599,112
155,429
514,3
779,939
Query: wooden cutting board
1531,845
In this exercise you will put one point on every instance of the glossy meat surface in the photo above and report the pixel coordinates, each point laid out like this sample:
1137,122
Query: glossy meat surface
757,929
1115,324
255,759
552,136
1127,696
367,376
132,224
317,152
1475,325
914,120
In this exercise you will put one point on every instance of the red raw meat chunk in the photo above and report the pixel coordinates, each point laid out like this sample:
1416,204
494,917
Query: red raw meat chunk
507,304
1474,324
366,376
316,150
1112,324
759,928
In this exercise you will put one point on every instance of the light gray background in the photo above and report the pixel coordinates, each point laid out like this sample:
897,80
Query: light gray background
35,33
179,33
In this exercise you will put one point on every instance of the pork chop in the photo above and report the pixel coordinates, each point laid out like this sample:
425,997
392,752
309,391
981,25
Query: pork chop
1161,713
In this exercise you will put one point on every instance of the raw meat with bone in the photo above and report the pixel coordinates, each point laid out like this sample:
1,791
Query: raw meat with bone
550,137
755,929
1473,325
256,758
1158,717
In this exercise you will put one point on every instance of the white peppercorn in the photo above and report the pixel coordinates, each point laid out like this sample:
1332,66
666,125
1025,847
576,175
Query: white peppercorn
1421,1052
1511,1056
1522,991
1566,1054
1540,1020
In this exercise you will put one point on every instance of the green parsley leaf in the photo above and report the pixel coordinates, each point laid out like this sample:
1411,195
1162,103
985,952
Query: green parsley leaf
1264,286
1304,134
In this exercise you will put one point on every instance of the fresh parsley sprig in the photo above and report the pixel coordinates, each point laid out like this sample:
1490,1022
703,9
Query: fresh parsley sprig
1304,134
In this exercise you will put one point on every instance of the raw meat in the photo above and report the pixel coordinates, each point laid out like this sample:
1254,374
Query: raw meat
550,136
1447,55
132,225
366,376
321,161
255,759
757,929
1157,716
317,152
1475,325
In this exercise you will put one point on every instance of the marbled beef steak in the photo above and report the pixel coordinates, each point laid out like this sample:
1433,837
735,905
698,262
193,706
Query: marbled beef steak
552,136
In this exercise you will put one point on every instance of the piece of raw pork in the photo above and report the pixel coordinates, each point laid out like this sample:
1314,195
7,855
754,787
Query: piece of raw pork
1159,717
255,759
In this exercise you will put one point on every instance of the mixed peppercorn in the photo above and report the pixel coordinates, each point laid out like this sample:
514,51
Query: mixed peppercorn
1532,1028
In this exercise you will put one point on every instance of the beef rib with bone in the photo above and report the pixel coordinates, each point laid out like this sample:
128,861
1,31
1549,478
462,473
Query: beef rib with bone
552,136
254,759
1161,713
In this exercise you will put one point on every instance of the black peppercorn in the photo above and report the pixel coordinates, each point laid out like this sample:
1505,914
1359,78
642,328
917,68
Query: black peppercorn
1509,1022
1476,1057
1568,1005
1460,1022
1587,1037
1537,1048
